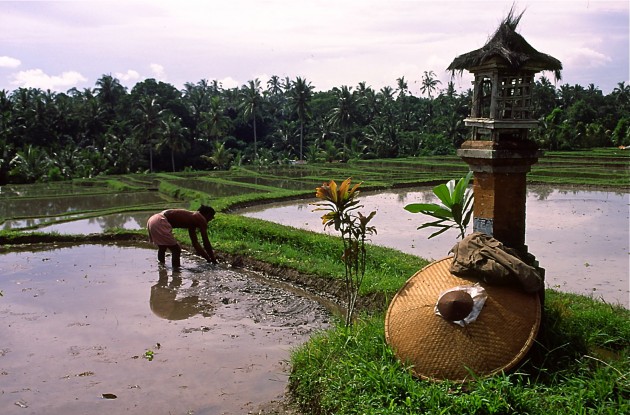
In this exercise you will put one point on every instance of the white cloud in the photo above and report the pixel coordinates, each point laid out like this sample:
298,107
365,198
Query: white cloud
9,62
229,82
330,43
130,75
158,71
587,58
36,78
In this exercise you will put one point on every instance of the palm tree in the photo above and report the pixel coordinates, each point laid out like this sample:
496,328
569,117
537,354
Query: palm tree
402,87
197,99
220,158
366,102
568,96
250,105
301,94
24,115
109,92
342,116
92,117
215,121
5,111
30,165
386,94
429,83
383,139
314,153
385,101
274,85
173,136
286,84
356,149
402,101
325,131
544,97
284,137
149,126
329,151
276,98
622,94
215,87
621,133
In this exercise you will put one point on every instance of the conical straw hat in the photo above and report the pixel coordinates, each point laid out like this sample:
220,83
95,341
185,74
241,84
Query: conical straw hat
438,349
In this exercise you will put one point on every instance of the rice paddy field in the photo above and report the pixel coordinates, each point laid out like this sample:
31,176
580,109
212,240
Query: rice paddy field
33,206
581,364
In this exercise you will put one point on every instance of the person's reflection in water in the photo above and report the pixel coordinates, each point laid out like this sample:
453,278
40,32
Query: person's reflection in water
165,304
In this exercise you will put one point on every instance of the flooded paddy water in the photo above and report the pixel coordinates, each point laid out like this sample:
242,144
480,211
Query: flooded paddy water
97,224
580,237
213,188
79,213
55,205
102,329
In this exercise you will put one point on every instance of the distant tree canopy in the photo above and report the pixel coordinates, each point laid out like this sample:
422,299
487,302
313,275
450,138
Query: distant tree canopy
108,129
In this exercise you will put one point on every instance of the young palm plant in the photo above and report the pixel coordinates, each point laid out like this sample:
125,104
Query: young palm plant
455,210
341,204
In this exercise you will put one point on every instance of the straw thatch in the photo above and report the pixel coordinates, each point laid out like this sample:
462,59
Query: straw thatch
512,47
438,349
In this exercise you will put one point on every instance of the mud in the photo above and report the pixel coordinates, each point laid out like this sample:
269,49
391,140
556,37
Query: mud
105,329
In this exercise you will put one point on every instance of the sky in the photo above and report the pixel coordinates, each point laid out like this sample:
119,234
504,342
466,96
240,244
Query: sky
59,45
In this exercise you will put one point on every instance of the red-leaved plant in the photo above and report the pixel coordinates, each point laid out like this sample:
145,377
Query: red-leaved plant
341,204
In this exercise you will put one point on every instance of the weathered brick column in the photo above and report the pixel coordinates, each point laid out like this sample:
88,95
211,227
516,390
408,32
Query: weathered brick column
500,188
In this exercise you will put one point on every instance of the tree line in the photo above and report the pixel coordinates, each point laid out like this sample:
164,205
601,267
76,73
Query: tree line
108,129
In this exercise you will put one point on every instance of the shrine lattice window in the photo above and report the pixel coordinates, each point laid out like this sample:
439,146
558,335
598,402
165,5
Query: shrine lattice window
515,97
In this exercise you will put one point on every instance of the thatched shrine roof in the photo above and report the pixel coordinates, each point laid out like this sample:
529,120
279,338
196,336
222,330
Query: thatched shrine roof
511,47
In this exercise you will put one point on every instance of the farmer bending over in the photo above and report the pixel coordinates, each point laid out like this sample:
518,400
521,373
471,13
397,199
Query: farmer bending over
160,227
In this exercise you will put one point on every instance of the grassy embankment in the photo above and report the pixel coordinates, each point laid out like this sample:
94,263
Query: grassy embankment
581,363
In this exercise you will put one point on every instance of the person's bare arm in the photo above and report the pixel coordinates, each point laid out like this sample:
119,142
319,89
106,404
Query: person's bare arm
207,252
207,245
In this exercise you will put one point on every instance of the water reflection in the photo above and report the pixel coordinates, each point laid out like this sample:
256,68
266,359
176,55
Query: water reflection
541,192
40,207
33,222
165,304
50,189
287,183
214,188
131,221
125,221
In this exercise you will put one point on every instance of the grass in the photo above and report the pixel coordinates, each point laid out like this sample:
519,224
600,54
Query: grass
308,252
352,371
580,364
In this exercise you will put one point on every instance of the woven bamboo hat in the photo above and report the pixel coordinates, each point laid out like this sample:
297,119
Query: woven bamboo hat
439,349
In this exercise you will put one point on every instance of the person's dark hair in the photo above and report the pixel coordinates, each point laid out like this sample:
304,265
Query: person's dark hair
206,211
